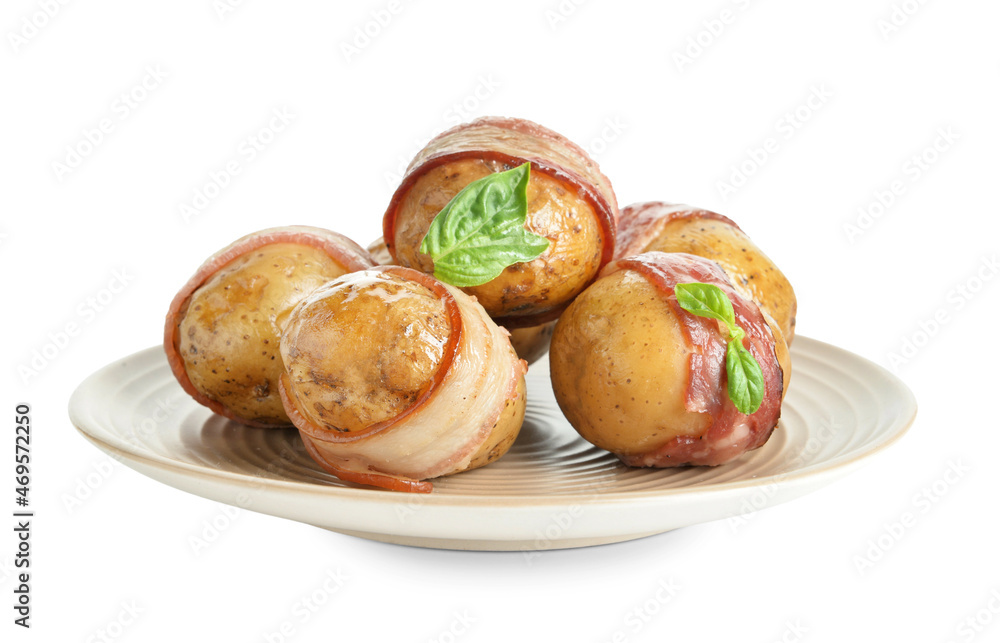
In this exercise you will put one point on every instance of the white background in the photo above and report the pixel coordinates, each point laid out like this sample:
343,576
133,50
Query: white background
680,127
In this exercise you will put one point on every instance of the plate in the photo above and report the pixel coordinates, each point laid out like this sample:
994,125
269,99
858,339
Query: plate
552,490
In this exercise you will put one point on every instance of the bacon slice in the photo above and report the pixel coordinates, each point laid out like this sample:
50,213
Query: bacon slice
641,223
730,433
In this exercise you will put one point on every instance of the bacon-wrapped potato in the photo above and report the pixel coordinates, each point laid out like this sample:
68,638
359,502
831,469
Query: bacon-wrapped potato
638,375
569,202
680,228
224,326
393,378
531,343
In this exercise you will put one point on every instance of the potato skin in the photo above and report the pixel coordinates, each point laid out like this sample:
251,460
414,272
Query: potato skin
753,274
229,330
504,432
555,211
532,343
619,367
781,353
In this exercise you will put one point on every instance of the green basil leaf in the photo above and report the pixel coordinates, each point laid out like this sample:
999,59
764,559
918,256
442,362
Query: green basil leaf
481,231
746,382
706,300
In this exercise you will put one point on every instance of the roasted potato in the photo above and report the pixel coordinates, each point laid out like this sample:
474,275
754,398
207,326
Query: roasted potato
639,376
679,228
393,378
223,328
569,202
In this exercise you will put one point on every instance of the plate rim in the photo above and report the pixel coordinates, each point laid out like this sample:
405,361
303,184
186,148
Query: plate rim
839,465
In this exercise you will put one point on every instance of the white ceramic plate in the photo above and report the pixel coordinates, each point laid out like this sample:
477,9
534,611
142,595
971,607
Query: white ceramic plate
552,490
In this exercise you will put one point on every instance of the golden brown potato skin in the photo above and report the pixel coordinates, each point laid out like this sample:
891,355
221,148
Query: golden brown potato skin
668,227
504,432
370,359
555,211
781,352
229,333
619,358
532,343
753,274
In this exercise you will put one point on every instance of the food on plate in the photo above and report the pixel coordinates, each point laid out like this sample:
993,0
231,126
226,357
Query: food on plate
681,228
380,252
223,328
393,378
637,374
532,343
570,203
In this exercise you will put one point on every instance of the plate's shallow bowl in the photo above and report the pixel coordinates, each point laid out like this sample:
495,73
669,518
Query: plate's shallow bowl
552,490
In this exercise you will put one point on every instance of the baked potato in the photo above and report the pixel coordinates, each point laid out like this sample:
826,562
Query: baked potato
570,203
223,327
393,378
666,227
636,374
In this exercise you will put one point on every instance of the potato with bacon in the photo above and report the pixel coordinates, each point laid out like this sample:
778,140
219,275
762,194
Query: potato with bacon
570,204
223,328
393,378
638,373
681,228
